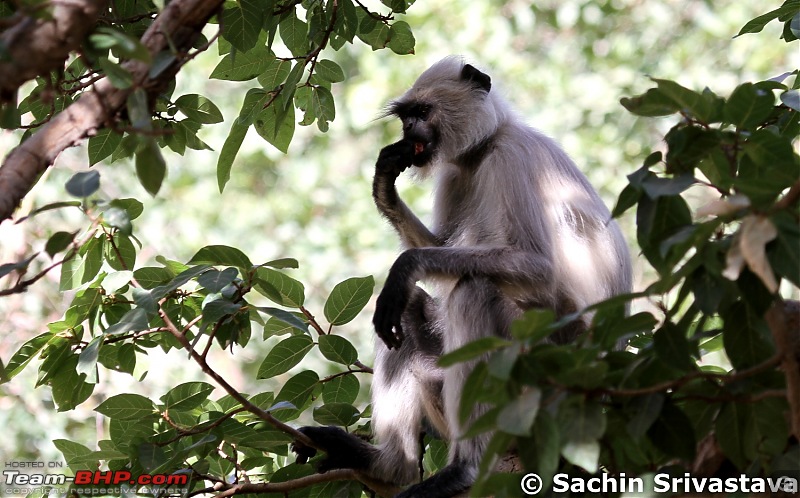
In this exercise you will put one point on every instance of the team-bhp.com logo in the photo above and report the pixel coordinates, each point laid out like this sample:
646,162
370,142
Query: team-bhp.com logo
86,477
19,483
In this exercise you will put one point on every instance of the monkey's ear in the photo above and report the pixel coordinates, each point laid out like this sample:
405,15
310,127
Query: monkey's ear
479,79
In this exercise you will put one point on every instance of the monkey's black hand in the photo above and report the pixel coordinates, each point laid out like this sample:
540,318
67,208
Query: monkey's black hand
394,298
388,316
394,159
343,450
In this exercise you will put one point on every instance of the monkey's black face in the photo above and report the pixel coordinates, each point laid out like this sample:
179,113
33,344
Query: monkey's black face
418,129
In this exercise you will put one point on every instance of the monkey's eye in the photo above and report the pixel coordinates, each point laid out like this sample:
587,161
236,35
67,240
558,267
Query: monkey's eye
423,112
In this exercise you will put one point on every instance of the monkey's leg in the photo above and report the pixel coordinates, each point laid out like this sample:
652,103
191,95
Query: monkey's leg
475,308
406,386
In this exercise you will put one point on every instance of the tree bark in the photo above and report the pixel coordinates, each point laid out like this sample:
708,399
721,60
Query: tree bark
180,22
34,47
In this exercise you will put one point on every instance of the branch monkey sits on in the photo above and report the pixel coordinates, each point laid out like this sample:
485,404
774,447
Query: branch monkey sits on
516,226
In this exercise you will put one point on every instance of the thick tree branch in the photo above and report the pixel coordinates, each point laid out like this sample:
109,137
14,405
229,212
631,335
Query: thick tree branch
778,321
178,26
34,47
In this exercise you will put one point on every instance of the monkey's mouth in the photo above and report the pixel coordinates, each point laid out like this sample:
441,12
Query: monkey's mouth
423,152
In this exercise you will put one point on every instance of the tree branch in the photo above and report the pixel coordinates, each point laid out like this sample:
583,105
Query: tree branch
778,325
178,26
382,489
34,47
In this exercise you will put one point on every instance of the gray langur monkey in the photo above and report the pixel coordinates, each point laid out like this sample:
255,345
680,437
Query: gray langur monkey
516,226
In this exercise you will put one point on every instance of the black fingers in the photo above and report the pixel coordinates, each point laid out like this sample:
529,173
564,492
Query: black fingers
388,317
395,158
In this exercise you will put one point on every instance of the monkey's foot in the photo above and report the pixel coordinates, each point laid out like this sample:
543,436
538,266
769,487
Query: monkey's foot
343,450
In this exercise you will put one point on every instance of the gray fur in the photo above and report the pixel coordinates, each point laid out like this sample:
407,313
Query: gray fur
516,225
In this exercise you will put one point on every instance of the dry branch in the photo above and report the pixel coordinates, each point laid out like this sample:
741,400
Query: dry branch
178,25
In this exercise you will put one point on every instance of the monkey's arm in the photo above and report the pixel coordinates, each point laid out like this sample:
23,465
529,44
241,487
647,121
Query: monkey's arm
393,160
508,266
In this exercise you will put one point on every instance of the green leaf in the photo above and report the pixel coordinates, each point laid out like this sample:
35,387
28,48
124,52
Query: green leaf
699,105
282,322
279,287
581,419
119,77
26,353
87,360
645,410
126,407
275,74
652,103
672,347
337,349
347,299
199,108
748,107
228,153
757,24
473,391
133,321
78,271
673,433
791,98
243,24
581,423
215,280
10,116
83,184
324,107
294,33
285,355
276,123
121,255
187,396
49,207
58,242
736,420
770,428
746,337
784,251
122,44
656,187
518,417
543,450
103,145
584,453
534,325
151,169
282,263
150,277
327,70
74,453
219,255
372,32
341,414
243,66
341,389
627,199
296,391
401,39
769,166
472,350
118,218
